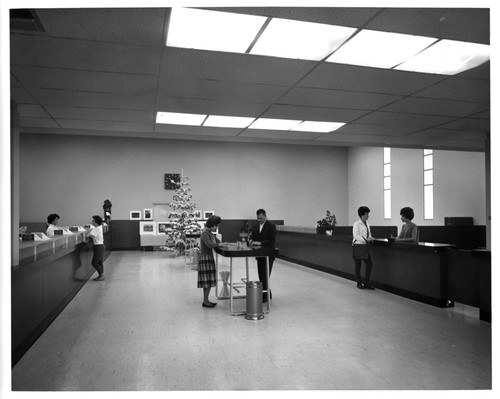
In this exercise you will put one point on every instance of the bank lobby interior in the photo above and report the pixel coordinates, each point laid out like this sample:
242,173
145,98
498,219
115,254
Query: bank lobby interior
89,90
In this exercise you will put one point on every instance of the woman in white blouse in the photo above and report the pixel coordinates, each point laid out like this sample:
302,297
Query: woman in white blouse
97,237
362,236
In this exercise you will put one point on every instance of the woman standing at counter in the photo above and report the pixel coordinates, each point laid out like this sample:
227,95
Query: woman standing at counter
360,248
206,261
52,221
409,231
97,236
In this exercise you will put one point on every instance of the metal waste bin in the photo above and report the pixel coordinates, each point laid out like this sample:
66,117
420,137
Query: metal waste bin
254,301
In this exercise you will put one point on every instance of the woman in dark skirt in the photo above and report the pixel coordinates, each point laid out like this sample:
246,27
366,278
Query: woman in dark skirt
206,261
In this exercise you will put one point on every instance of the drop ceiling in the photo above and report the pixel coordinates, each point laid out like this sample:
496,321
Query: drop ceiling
107,72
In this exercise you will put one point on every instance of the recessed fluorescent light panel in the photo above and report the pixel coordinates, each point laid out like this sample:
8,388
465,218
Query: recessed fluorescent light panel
228,121
380,49
448,57
318,127
174,118
274,124
212,30
300,40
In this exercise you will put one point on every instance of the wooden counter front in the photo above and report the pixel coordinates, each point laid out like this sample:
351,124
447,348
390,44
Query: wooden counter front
415,271
49,275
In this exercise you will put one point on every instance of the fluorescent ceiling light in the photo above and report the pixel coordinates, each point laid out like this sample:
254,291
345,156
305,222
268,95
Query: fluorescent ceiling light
228,121
212,30
380,49
274,124
448,57
175,118
301,40
319,127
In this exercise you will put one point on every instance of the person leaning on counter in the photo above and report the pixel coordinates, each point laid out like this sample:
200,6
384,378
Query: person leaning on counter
97,237
264,234
52,221
409,231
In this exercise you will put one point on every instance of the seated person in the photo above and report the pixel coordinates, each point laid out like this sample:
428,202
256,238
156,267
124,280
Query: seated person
409,231
52,221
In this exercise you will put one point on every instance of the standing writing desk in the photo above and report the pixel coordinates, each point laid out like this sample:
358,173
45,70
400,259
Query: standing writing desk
232,251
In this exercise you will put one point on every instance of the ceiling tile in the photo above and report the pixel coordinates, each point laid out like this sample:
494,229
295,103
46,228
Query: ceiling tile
142,26
85,55
459,89
21,96
89,99
66,79
336,99
222,66
280,111
219,90
38,122
428,106
105,125
210,107
364,79
468,124
451,134
32,111
396,119
373,130
101,114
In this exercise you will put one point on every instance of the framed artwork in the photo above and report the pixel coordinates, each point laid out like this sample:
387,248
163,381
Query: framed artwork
207,214
172,181
135,215
198,214
147,228
148,214
163,226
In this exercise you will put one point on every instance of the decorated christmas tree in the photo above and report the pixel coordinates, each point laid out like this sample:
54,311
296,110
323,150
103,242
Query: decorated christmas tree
183,219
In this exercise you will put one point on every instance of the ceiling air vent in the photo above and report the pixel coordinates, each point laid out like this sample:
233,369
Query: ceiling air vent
24,19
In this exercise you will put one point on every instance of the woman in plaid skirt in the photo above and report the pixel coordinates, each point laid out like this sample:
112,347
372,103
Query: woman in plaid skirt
206,261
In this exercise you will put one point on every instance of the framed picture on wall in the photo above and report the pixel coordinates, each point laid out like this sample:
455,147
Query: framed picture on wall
207,214
198,214
147,228
163,227
135,215
148,214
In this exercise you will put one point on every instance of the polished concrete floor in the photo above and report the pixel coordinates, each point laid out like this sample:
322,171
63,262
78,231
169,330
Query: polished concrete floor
144,329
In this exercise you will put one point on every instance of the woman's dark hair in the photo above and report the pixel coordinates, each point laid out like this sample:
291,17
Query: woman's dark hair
52,217
213,221
362,210
97,219
407,212
261,212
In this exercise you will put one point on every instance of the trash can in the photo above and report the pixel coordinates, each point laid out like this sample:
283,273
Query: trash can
254,301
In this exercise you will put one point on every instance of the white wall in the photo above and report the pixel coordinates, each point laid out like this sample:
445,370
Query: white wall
73,175
459,184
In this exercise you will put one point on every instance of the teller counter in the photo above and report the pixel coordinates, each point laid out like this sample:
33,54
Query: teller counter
49,275
422,272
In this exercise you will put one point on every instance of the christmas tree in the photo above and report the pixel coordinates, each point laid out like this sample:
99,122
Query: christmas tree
184,221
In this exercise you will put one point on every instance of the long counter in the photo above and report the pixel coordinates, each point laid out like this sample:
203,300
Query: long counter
48,276
426,272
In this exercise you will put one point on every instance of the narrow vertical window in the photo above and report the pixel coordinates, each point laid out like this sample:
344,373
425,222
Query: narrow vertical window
428,184
387,183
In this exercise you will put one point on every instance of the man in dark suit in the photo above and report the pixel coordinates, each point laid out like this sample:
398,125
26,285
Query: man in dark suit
264,234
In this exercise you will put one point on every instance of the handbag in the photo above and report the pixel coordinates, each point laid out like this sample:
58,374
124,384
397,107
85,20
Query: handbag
360,251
